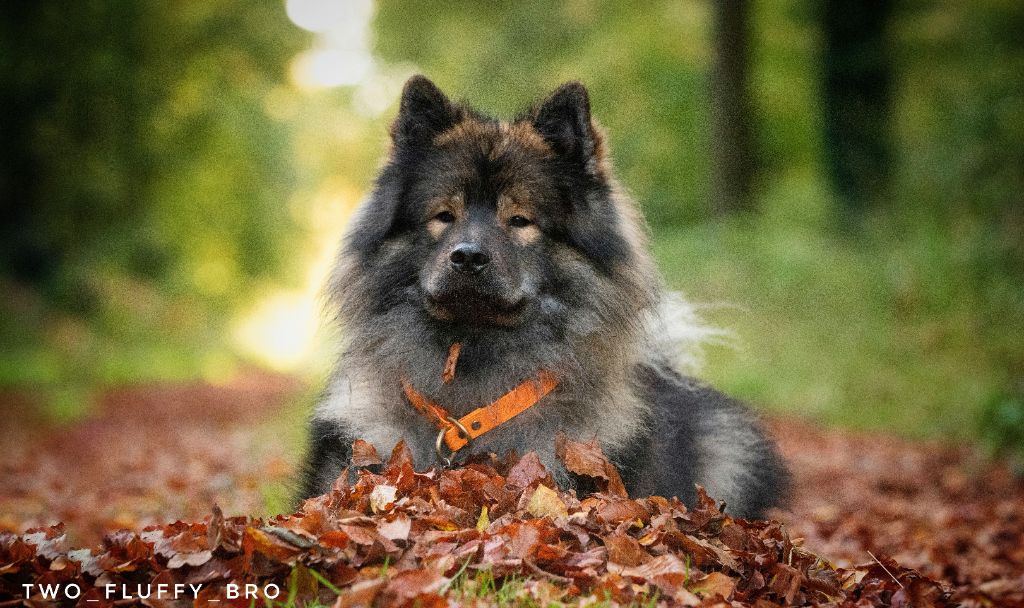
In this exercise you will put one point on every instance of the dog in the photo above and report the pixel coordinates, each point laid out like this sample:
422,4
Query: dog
496,289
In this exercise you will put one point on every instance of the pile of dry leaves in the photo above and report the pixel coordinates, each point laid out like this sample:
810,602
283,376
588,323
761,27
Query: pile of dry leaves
395,537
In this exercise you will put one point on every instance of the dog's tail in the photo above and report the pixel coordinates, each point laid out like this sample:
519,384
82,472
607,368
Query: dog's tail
679,333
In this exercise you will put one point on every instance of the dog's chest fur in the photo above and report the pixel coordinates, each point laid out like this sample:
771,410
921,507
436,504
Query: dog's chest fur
370,403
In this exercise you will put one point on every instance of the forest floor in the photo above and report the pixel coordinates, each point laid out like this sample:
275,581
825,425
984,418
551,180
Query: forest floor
157,453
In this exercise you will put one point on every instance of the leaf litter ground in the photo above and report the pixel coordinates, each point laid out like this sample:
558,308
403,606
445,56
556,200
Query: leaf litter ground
941,528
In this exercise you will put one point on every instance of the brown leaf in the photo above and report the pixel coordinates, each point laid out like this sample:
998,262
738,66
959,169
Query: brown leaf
400,461
785,582
359,534
49,542
216,531
716,583
625,550
581,458
528,471
361,594
364,454
189,559
703,552
395,529
258,541
412,588
523,539
334,538
619,510
667,571
190,547
588,460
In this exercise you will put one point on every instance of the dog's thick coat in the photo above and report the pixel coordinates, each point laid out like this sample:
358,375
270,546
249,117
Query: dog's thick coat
515,240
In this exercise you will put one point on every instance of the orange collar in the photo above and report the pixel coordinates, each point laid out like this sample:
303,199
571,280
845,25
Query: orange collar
483,419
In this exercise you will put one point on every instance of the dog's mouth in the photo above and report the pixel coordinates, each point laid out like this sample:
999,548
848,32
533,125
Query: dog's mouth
473,309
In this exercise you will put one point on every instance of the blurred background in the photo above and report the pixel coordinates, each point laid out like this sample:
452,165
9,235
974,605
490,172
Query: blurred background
838,184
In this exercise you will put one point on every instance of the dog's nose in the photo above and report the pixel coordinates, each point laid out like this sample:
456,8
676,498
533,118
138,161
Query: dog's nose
468,257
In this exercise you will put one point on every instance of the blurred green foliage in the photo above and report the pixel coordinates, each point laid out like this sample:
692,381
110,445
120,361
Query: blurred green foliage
912,323
1002,429
145,183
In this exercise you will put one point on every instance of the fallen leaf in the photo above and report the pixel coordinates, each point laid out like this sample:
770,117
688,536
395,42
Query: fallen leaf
625,550
588,460
483,521
382,497
668,572
528,471
714,584
395,529
364,454
545,503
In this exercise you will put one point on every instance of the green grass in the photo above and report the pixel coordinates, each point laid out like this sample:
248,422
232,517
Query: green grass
287,427
467,586
885,329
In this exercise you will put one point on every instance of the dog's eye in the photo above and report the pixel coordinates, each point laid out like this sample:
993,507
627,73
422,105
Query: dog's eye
518,221
445,216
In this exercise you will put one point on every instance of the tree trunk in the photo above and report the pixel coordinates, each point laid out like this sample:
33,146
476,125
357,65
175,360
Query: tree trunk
734,163
857,84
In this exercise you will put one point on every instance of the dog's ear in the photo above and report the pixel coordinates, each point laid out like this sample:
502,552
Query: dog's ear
563,120
424,112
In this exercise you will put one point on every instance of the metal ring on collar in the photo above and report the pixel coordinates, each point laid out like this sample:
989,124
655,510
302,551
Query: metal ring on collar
463,431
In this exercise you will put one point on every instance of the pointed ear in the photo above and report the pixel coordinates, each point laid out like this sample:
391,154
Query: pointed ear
424,112
563,120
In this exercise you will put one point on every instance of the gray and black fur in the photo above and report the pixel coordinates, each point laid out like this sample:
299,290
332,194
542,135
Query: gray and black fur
514,239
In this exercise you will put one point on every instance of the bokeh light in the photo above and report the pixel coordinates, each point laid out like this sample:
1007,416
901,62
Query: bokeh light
341,55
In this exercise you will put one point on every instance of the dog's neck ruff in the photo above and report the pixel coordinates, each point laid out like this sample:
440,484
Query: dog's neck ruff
458,433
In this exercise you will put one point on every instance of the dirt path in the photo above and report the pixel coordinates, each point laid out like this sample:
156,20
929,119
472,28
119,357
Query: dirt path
151,454
163,452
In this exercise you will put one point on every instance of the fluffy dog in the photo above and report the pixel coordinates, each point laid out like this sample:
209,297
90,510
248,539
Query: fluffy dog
499,278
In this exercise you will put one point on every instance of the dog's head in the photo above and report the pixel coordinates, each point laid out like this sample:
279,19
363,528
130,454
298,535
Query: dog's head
484,223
